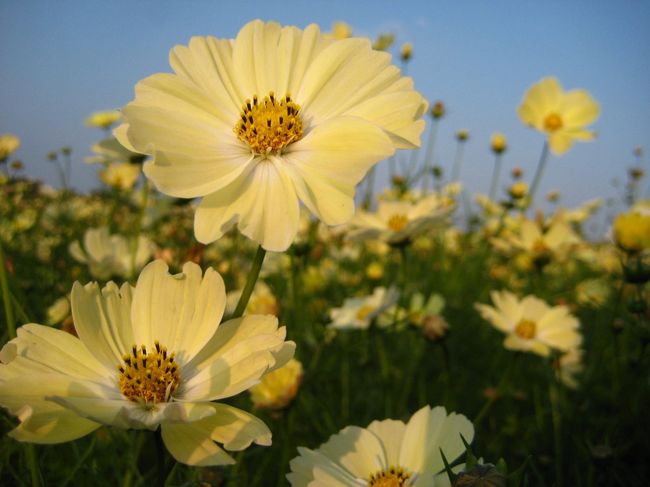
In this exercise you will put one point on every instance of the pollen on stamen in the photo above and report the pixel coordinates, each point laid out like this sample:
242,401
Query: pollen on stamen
148,377
270,125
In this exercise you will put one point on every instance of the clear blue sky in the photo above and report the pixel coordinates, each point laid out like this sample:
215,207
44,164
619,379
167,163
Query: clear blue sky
62,60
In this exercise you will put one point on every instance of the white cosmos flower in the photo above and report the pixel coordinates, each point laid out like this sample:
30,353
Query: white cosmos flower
531,325
396,222
358,313
110,255
146,357
387,453
278,115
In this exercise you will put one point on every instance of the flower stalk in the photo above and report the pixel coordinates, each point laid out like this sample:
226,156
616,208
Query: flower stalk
250,283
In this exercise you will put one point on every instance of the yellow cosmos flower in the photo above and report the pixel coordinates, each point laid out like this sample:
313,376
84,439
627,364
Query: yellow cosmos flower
9,144
531,325
386,453
146,357
632,231
120,175
357,313
278,388
275,117
561,115
341,30
103,120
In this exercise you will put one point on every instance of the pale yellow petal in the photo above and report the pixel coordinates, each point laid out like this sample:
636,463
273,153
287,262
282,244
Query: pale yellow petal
102,320
180,311
191,444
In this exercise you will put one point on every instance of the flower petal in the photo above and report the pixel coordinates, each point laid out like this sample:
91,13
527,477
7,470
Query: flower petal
358,450
182,312
102,320
57,425
190,444
263,202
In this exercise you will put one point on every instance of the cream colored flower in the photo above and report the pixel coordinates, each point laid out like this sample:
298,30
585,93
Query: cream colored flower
103,120
110,255
542,244
9,144
386,453
530,324
396,222
109,150
146,357
275,117
357,313
278,388
59,311
561,115
120,175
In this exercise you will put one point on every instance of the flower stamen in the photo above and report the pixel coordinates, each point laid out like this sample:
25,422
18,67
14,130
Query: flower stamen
391,477
526,329
397,222
149,377
270,125
553,122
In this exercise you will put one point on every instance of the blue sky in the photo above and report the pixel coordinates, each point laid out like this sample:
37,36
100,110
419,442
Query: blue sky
63,60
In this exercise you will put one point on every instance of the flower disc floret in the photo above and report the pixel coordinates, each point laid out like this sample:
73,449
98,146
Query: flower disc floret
269,126
149,377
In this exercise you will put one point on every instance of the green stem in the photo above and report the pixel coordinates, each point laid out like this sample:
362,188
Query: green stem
553,394
495,176
538,173
458,160
133,468
6,297
250,282
428,158
504,379
81,461
34,471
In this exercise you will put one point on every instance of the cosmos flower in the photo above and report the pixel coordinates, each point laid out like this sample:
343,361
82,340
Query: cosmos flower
110,255
9,143
146,357
275,117
386,453
120,175
277,389
396,222
109,151
561,115
103,120
530,324
358,313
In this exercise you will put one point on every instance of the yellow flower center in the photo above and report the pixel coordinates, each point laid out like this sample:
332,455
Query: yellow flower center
364,311
540,247
526,329
149,377
269,125
552,122
392,477
397,222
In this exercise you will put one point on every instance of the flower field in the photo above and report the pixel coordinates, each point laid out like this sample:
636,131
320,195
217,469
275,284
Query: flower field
245,300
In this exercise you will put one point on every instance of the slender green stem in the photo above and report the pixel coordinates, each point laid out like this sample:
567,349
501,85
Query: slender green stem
34,471
428,158
495,176
6,297
504,380
250,282
133,468
20,311
554,397
538,173
458,160
80,462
